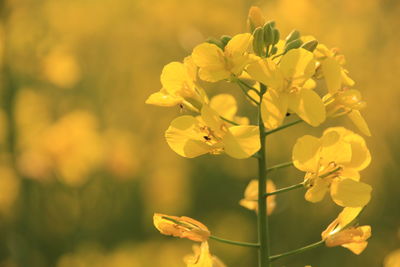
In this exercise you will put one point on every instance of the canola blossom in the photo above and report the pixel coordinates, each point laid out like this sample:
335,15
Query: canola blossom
280,78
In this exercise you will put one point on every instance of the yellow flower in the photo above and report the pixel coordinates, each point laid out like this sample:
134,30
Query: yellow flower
392,259
225,105
332,164
341,232
216,64
179,86
255,18
289,88
251,196
202,257
183,227
191,137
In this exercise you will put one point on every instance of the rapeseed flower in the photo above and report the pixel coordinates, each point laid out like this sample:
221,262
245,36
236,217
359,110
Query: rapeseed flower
202,257
251,196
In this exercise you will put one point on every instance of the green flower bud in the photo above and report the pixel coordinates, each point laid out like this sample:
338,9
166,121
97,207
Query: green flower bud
258,42
276,36
293,35
215,41
268,34
310,45
293,44
225,39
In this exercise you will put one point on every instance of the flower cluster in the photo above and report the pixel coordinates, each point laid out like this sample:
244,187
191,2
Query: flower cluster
279,77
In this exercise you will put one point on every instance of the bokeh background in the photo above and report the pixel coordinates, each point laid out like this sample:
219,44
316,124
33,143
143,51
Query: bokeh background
83,161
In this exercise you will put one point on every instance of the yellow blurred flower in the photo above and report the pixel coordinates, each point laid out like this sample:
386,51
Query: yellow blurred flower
332,163
255,18
191,137
392,259
289,88
341,232
202,257
216,64
251,196
179,86
183,227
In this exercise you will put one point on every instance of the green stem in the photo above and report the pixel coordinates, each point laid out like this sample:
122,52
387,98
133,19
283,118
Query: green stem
229,121
280,166
262,219
247,94
284,126
236,243
248,86
297,251
285,189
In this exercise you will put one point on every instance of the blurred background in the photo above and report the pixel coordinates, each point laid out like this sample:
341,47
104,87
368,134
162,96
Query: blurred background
83,161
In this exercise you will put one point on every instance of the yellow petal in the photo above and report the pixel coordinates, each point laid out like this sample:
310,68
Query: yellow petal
183,136
265,71
346,80
298,65
308,105
348,215
333,74
274,107
356,248
334,148
350,193
317,192
238,45
356,117
310,84
163,99
242,141
212,120
210,59
176,81
251,196
202,257
225,105
305,153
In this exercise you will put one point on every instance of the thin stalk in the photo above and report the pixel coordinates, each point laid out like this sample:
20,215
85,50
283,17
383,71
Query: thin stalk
284,126
280,166
232,242
229,121
247,94
262,219
285,189
297,251
248,86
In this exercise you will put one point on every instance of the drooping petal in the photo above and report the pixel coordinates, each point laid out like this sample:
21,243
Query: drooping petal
308,105
358,120
333,74
184,137
298,65
225,105
350,193
274,107
305,153
353,238
242,141
343,220
163,99
183,227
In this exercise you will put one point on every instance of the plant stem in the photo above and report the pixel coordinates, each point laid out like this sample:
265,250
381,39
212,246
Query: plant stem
247,94
236,243
284,126
285,189
229,121
248,86
262,219
297,251
280,166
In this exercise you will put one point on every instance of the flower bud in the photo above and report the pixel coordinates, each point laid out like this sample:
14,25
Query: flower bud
258,42
276,36
225,39
215,41
310,45
293,44
268,34
293,35
255,18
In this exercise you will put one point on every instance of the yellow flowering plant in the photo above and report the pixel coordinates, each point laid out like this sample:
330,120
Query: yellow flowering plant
279,78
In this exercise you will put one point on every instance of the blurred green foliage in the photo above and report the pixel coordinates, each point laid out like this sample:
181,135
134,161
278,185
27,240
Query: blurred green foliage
83,161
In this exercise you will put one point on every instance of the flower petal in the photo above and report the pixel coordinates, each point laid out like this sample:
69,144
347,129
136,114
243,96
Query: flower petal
358,120
305,153
184,138
265,71
163,99
225,105
176,81
210,59
298,65
318,190
238,45
274,107
333,74
242,141
350,193
309,106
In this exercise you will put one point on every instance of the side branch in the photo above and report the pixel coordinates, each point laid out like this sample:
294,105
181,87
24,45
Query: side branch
297,251
283,126
280,166
285,189
236,243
